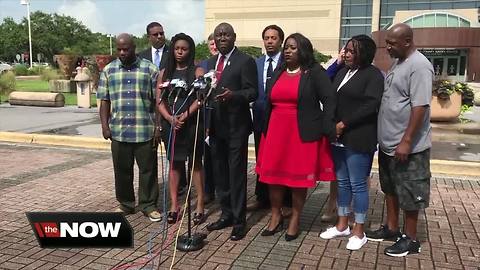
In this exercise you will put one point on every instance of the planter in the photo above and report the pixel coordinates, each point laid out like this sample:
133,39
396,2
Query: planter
67,64
446,109
103,60
95,64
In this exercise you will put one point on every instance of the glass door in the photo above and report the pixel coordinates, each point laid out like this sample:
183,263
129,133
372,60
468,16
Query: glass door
451,68
438,66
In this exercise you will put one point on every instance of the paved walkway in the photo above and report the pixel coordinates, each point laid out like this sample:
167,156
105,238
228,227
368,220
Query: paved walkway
37,178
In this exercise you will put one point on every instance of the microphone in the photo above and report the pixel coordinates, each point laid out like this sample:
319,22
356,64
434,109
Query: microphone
211,78
162,87
180,85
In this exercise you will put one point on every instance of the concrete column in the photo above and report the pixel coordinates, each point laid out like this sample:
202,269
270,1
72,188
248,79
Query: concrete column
376,15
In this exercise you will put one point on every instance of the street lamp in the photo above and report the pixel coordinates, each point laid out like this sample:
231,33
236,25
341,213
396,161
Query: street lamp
110,36
27,3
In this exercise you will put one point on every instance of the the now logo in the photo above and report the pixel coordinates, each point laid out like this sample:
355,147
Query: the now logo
81,229
75,229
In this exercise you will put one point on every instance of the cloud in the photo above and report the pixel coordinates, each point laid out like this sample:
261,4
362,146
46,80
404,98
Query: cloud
176,16
85,11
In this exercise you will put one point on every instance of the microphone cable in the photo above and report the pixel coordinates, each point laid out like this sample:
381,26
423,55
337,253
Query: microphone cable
166,230
189,189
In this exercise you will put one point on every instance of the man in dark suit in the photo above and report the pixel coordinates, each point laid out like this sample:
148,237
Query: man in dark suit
157,53
272,37
207,155
231,124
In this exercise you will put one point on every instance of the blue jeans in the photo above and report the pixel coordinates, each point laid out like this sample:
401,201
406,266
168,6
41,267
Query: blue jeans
352,169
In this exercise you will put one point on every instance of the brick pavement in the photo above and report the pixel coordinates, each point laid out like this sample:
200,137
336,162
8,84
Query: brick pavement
36,178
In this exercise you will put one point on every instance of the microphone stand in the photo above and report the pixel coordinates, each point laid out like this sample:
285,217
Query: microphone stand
191,242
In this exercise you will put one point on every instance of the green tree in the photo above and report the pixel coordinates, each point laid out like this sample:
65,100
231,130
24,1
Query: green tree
254,52
142,42
51,34
14,39
320,57
201,51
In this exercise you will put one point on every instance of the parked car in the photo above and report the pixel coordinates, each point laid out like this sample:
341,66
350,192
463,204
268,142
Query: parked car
37,64
4,67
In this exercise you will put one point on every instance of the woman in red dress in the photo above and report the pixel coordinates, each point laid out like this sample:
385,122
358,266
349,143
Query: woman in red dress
294,151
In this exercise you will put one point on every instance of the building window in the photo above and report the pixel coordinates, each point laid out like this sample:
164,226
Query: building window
389,7
437,20
356,19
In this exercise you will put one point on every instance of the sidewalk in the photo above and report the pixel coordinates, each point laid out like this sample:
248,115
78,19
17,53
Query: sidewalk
39,178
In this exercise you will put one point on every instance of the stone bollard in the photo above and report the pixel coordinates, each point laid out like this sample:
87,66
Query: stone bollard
84,89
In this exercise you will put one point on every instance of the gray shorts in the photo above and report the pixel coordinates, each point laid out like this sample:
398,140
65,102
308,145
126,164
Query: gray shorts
409,180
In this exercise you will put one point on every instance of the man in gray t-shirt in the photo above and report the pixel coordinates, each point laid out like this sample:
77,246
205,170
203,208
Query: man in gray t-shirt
404,140
408,85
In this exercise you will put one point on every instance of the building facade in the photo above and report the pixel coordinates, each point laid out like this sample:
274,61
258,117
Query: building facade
446,31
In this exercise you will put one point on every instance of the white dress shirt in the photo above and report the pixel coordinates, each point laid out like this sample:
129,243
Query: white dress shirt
275,60
225,62
347,77
160,53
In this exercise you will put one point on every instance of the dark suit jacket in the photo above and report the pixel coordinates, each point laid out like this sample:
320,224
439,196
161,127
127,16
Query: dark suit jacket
232,119
260,103
147,54
313,122
358,102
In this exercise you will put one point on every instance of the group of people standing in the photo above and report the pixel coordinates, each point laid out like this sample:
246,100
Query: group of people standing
309,125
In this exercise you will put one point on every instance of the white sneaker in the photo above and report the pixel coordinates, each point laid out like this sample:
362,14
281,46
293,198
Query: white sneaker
333,232
356,243
154,216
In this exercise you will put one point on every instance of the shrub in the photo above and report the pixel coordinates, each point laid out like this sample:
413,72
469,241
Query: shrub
7,83
20,70
36,70
320,57
442,89
251,50
48,74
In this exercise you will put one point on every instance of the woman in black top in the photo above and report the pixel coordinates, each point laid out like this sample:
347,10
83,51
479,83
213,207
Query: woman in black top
359,88
179,111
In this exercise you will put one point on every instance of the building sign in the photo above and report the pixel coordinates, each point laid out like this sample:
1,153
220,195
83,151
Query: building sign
439,52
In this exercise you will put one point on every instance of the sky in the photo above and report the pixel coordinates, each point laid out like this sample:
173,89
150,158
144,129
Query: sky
117,16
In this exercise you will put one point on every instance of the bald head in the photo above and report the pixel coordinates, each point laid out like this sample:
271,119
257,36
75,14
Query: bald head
224,26
125,38
126,48
225,37
402,31
400,41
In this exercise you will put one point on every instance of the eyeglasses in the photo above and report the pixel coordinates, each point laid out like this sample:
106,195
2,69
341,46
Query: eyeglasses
349,51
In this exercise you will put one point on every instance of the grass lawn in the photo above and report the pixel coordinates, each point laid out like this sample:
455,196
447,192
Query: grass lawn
31,86
42,86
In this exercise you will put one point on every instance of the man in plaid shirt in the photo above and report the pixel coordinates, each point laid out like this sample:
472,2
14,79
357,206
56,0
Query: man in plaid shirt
127,91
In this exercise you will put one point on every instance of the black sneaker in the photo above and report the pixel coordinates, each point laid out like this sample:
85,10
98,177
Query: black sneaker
383,233
404,246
